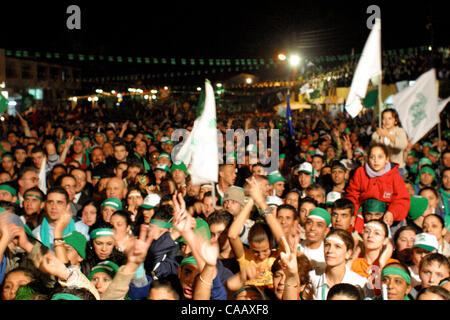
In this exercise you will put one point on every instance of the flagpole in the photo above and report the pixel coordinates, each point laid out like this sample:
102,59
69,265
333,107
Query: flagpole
439,135
214,195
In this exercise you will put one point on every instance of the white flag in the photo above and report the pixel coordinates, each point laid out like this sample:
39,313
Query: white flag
42,184
200,150
417,106
369,67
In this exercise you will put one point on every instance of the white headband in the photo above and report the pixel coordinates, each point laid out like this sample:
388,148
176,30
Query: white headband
375,225
335,239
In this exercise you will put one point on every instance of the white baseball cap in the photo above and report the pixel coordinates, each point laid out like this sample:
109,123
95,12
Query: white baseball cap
305,167
151,201
332,197
426,241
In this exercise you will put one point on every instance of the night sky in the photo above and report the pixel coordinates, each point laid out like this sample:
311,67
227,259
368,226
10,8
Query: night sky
217,28
213,29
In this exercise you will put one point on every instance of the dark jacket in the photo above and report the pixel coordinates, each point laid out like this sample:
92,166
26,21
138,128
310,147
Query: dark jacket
160,261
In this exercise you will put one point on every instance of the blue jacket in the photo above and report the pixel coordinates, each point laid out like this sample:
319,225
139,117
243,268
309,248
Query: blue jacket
160,261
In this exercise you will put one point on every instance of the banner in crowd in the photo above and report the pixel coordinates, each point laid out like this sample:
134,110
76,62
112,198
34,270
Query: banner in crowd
417,106
199,152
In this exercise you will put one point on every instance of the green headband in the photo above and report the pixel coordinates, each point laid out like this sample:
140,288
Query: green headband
434,152
322,214
113,203
398,272
101,232
256,289
108,267
161,224
33,196
65,296
188,260
7,155
8,188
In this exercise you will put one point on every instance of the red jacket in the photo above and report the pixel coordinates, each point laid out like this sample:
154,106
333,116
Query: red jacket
389,188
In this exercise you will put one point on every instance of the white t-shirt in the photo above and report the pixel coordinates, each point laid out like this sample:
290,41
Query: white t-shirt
321,287
315,256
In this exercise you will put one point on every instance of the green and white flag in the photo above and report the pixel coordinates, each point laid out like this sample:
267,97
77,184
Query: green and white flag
200,151
3,103
369,67
417,106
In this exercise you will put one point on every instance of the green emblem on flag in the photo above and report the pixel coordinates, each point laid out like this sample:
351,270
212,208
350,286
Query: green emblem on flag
418,110
3,103
213,123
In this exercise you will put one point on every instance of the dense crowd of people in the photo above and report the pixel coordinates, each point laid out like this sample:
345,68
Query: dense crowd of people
94,209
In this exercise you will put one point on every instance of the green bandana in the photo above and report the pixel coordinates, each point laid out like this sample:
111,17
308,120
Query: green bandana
396,271
101,232
65,296
322,214
113,203
24,293
146,165
45,233
425,170
188,260
6,187
373,205
161,224
418,206
180,166
108,267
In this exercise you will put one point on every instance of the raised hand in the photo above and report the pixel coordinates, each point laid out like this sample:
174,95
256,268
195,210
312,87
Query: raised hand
255,191
288,260
347,145
7,232
388,218
386,254
64,219
138,247
50,264
249,273
209,253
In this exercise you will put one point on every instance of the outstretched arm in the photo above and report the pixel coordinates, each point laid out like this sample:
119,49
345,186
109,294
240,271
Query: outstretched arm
236,228
258,196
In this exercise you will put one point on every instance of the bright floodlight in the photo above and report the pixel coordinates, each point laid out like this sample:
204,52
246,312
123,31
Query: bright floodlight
282,57
248,80
294,60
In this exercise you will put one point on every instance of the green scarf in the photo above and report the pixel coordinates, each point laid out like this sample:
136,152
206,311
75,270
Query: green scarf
146,165
445,199
45,234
